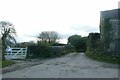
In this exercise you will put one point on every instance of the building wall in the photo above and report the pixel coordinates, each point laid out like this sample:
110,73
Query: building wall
109,31
0,46
93,40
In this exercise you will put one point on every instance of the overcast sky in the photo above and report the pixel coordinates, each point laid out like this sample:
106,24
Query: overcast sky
67,17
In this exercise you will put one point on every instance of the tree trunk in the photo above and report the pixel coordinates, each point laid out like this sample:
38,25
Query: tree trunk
3,48
3,43
49,40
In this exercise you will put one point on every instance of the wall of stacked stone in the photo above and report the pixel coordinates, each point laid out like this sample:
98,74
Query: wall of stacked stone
117,40
0,46
108,41
0,49
93,39
109,32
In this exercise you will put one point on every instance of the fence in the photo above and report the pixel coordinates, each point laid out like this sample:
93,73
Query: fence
16,53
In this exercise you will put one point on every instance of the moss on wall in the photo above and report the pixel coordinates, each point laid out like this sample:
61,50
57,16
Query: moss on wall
108,41
93,40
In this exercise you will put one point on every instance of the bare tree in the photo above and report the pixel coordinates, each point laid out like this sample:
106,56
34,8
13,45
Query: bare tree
8,32
48,36
54,36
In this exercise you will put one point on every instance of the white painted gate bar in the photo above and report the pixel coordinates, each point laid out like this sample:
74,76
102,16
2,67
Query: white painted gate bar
16,53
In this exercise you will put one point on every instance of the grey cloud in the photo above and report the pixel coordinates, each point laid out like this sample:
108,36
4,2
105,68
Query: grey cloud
77,29
65,36
30,35
84,28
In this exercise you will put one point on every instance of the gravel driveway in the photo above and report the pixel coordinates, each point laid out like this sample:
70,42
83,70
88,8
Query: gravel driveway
74,65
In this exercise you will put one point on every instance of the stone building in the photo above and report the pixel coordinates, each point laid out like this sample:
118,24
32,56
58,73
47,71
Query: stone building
110,31
0,45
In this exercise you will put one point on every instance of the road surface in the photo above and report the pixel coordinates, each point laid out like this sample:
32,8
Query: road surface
74,65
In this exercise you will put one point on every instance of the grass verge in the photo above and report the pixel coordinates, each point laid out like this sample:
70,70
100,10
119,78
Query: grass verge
6,63
104,58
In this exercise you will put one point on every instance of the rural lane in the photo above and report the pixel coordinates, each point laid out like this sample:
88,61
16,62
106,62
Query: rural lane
74,65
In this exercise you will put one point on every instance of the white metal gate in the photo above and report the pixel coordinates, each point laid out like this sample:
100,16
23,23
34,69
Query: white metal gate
16,53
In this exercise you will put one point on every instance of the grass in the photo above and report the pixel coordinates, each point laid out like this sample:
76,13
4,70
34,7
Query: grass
6,63
104,58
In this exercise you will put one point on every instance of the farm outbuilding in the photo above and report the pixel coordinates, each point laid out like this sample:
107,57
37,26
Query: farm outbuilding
110,31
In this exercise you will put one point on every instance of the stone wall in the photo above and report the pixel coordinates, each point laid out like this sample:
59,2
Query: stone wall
110,31
93,39
108,41
0,49
0,46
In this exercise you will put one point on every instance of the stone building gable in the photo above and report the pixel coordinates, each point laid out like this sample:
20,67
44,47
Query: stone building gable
110,30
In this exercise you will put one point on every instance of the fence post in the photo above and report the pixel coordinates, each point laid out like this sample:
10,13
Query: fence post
10,53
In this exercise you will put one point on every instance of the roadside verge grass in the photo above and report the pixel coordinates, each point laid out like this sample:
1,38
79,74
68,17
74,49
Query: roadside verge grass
6,63
103,58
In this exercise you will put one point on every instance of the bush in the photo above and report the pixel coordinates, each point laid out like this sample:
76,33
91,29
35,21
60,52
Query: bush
57,51
45,50
94,54
58,44
39,50
69,48
95,50
78,42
